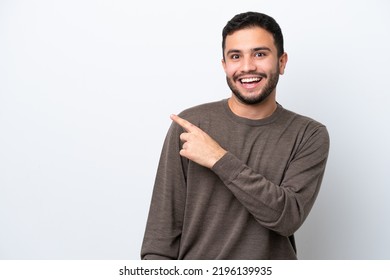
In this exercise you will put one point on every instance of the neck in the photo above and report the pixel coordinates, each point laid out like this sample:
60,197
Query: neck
253,112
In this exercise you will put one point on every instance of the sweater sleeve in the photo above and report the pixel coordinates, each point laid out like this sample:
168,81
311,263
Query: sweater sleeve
284,207
164,224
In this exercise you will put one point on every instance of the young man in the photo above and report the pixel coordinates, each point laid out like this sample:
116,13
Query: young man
238,177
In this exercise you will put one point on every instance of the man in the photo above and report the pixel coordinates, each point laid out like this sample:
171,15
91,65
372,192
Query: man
238,177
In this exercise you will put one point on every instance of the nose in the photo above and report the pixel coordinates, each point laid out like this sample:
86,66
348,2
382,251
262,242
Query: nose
248,65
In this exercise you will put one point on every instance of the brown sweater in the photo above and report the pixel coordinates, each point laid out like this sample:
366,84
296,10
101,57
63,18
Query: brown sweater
253,199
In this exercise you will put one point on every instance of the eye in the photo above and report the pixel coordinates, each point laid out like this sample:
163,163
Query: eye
234,56
259,54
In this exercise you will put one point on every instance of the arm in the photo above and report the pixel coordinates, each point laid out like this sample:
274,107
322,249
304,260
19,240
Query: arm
281,208
163,229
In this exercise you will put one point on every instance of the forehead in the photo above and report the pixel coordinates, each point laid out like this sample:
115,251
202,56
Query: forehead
249,38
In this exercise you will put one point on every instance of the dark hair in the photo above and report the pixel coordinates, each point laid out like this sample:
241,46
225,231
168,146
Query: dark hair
254,19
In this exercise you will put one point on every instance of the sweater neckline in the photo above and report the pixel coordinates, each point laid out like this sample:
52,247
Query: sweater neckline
270,119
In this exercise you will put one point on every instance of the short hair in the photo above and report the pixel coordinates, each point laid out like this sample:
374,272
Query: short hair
254,19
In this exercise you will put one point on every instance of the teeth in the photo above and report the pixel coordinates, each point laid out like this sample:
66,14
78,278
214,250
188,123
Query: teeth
250,80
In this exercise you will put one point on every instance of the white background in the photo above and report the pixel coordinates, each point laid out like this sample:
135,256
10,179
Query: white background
86,89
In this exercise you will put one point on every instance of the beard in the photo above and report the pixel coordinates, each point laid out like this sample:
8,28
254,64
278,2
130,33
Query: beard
268,88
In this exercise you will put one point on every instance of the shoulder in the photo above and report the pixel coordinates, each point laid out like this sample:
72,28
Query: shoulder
307,128
298,120
202,112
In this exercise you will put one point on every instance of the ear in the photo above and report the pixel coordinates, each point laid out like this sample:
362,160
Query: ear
282,63
223,64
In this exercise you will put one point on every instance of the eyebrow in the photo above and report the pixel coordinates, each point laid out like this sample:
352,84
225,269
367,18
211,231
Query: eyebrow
252,50
261,49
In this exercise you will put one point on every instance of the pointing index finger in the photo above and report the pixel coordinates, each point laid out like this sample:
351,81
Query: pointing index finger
189,127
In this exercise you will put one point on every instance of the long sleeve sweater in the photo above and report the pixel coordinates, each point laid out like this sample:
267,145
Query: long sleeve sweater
250,203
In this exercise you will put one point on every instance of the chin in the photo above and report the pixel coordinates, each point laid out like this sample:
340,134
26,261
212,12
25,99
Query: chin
251,99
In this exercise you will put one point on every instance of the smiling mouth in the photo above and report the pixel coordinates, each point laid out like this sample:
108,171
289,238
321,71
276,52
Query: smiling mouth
251,80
